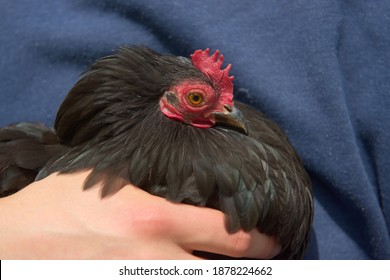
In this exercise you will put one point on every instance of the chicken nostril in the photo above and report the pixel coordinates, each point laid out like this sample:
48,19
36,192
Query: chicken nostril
228,108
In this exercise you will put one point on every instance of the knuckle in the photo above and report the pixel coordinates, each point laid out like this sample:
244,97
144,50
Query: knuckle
243,244
152,221
146,221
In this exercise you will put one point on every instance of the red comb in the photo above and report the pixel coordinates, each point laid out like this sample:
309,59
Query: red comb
211,67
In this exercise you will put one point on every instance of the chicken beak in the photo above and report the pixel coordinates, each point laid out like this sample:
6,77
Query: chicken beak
232,118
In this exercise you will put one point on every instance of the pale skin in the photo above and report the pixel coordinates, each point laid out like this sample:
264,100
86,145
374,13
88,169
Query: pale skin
55,219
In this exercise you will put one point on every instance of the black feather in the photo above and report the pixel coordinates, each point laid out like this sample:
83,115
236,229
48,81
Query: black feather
25,149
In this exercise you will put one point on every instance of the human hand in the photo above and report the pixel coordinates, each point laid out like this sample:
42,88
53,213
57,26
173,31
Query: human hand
55,219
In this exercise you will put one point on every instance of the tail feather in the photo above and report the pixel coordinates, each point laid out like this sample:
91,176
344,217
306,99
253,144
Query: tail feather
25,148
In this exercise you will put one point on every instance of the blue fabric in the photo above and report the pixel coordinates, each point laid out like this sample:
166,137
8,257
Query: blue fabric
318,68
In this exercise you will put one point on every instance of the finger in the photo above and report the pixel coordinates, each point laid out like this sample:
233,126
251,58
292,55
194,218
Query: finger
203,229
208,233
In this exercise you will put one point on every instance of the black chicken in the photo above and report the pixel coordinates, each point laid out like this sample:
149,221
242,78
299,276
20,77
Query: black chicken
169,126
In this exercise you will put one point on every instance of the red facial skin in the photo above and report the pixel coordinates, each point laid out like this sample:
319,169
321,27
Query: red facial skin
175,104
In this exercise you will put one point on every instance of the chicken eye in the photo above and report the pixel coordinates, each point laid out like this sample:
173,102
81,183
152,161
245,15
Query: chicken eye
195,98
